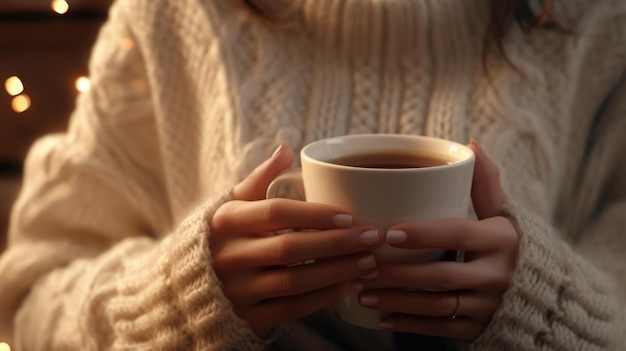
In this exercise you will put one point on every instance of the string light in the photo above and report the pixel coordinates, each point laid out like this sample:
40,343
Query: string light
83,84
20,104
60,6
14,86
4,346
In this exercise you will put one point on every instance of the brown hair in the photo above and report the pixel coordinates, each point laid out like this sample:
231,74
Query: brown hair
505,13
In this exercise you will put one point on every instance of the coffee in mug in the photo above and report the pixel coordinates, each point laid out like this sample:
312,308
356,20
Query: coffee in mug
391,160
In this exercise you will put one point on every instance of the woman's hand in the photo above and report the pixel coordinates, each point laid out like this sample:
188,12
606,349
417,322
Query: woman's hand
451,299
271,278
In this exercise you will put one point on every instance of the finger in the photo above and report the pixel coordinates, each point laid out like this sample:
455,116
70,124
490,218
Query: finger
440,276
454,234
255,185
296,247
487,192
244,217
429,303
271,312
291,281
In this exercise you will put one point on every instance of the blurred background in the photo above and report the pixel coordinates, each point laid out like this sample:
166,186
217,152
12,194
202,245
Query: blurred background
44,49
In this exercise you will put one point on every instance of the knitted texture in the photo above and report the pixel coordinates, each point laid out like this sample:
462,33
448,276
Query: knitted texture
556,301
109,239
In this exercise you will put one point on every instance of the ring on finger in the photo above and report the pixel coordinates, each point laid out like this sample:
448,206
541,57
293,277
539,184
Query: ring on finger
457,307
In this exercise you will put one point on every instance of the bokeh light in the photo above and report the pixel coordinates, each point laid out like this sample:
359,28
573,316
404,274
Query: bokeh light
128,43
14,86
60,6
20,104
83,84
4,346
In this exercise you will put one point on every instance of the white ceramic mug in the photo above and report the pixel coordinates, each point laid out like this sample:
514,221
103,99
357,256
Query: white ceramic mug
383,197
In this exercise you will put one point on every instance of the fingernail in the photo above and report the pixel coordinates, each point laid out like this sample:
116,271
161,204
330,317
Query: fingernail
386,325
342,220
366,263
368,300
475,143
370,276
277,151
395,237
369,237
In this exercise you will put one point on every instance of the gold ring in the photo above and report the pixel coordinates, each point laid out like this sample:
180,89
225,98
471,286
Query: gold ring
458,306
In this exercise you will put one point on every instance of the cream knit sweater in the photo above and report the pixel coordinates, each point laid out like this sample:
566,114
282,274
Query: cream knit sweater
109,238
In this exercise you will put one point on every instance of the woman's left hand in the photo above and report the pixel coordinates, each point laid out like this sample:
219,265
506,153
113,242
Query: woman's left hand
447,298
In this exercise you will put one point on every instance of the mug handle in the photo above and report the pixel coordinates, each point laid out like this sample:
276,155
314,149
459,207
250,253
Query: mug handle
292,177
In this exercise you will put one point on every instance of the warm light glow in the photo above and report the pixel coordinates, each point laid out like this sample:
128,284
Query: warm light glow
4,346
60,6
14,87
128,43
83,84
20,104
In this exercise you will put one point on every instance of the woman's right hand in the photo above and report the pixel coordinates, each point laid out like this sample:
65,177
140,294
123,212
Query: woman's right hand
271,278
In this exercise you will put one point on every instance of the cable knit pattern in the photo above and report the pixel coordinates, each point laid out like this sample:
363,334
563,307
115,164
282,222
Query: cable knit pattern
109,239
167,298
556,300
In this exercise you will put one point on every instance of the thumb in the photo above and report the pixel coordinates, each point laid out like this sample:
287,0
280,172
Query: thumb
255,184
487,192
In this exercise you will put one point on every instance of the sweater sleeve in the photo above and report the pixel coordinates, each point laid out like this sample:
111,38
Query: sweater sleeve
558,299
572,296
95,258
139,294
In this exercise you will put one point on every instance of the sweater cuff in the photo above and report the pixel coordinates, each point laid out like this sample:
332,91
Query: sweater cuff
179,304
556,301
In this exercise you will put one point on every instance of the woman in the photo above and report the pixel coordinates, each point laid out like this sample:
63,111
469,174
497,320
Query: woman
144,226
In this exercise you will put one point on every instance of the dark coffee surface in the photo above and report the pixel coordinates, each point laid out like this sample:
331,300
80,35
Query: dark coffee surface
390,160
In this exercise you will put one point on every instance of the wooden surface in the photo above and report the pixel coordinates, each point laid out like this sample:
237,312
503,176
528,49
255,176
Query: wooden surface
48,52
48,66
